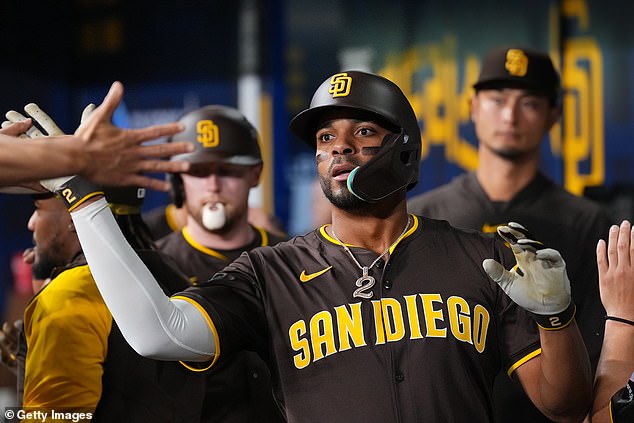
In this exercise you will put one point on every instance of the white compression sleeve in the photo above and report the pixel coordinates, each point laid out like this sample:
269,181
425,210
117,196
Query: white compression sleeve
153,325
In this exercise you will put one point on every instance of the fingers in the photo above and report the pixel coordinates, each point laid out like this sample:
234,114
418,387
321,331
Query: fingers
16,129
111,100
147,182
43,119
623,245
494,269
87,112
157,131
104,111
32,132
613,237
602,261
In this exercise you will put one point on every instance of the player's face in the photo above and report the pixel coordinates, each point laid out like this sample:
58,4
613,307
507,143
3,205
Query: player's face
343,144
214,185
512,122
54,236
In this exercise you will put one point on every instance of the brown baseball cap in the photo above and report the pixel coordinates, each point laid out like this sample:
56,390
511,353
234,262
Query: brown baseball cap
520,67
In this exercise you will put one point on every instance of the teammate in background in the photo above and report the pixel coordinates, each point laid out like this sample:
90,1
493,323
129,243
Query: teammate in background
612,401
516,102
163,220
381,316
76,356
99,151
225,164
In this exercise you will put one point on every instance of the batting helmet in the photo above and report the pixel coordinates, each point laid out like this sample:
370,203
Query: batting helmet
220,134
397,164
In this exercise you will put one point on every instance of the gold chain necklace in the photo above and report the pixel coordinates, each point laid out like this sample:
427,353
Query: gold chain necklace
365,281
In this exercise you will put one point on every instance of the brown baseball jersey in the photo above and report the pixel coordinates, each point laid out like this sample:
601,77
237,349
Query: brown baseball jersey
238,390
424,345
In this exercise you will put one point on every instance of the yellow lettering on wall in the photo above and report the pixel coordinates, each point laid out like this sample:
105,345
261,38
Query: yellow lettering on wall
321,335
350,326
440,101
583,132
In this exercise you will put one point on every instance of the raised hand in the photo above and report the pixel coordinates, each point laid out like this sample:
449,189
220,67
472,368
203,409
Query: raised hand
538,282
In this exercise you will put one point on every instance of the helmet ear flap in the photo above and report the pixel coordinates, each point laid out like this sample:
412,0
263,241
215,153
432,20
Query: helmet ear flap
177,192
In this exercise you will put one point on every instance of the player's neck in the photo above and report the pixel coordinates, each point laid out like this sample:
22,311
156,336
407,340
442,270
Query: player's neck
369,229
502,178
238,236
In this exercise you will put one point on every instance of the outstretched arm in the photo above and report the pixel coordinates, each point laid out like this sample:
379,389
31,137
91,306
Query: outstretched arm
558,381
153,324
616,284
99,151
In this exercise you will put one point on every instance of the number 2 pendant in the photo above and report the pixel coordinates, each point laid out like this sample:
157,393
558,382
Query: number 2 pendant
365,284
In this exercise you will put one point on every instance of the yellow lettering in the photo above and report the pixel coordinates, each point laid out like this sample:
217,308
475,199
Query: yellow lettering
582,78
393,319
295,334
412,312
321,334
378,322
480,327
459,319
350,326
67,193
432,315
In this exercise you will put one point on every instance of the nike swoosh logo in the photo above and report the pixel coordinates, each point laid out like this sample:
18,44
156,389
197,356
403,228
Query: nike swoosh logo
305,278
486,228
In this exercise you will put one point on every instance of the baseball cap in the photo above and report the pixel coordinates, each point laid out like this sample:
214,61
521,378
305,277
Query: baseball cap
520,67
219,134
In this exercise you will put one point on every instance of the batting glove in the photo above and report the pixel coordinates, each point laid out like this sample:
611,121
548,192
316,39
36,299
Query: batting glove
538,282
73,190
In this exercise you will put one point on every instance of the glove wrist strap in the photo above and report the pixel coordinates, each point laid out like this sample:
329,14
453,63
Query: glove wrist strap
556,321
77,190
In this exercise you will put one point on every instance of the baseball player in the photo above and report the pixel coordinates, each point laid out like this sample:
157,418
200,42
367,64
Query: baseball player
99,151
225,164
517,100
381,316
76,358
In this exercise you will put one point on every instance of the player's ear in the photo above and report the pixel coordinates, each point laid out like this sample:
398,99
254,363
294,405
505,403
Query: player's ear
254,175
554,115
473,105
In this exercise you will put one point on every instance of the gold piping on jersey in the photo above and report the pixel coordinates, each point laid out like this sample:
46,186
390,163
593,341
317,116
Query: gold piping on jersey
263,236
415,317
170,217
523,360
201,247
213,331
410,231
264,241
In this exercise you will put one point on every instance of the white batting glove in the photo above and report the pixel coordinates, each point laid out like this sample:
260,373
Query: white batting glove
539,282
45,126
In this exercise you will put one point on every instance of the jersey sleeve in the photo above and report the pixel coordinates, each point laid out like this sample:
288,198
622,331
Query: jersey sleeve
66,328
233,302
